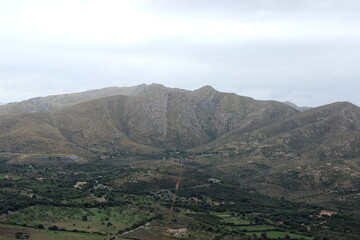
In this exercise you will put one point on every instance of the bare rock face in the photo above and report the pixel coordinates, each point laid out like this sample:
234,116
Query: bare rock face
146,117
39,105
173,118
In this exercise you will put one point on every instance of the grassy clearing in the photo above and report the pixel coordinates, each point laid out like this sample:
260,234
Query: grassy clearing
59,235
235,220
221,214
9,232
277,234
252,228
9,176
104,220
228,218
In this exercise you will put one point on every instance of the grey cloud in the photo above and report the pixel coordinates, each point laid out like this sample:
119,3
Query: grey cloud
256,8
307,71
290,71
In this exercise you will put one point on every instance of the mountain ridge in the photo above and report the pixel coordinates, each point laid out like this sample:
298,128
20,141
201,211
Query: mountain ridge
60,101
57,102
155,115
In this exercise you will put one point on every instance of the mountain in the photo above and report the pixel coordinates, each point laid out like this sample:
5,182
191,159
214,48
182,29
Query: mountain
297,107
268,145
158,118
167,118
1,103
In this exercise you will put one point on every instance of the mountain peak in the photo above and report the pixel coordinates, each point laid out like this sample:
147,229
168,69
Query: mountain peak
206,89
339,106
155,86
345,104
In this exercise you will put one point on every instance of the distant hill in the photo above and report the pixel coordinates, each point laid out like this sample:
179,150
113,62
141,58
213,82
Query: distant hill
297,107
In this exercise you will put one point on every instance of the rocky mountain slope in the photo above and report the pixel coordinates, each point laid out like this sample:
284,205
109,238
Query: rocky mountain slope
157,118
328,131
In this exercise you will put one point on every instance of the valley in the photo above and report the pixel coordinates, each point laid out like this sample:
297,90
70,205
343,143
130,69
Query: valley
144,199
151,162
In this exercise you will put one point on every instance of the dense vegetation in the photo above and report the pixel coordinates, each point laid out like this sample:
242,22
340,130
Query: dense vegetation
115,196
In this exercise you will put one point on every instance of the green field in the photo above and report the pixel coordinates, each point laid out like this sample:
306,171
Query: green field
277,234
10,231
104,220
235,220
252,228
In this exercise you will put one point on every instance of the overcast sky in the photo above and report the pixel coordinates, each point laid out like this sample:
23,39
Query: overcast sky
304,51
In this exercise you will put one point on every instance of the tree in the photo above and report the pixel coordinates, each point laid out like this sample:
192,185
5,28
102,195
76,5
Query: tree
53,227
22,236
40,226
